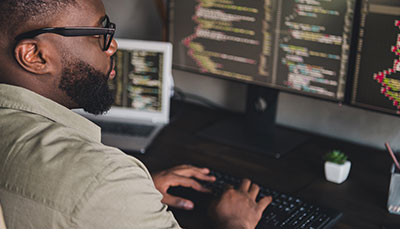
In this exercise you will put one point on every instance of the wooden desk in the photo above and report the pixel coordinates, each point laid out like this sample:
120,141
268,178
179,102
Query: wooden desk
362,198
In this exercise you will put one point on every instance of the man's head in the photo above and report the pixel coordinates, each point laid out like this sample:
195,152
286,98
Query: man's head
68,65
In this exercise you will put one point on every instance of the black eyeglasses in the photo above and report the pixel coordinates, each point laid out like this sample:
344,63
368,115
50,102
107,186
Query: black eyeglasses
107,31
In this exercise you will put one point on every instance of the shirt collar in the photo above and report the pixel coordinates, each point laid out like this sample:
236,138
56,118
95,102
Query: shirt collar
19,98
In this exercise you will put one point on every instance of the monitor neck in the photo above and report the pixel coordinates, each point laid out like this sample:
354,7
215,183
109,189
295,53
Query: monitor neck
261,108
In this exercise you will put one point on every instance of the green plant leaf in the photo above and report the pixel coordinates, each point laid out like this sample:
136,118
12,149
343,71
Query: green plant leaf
336,156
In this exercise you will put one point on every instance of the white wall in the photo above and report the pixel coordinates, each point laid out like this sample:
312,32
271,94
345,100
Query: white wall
138,19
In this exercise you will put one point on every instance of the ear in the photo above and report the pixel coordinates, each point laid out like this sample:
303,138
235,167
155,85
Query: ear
33,56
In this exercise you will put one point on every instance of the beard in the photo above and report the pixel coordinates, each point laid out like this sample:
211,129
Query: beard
86,86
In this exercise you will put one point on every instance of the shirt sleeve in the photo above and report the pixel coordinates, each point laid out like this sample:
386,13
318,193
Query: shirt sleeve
123,197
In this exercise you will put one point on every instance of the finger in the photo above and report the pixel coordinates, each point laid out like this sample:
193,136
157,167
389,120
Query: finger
204,177
177,202
254,189
183,168
245,185
179,167
199,173
189,183
263,203
189,170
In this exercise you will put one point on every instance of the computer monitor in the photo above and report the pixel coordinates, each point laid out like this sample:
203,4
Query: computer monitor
291,45
377,71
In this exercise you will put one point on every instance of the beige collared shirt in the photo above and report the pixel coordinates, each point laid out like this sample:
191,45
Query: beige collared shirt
55,173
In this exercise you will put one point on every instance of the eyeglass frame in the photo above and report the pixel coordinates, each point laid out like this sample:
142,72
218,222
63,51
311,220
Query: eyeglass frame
75,32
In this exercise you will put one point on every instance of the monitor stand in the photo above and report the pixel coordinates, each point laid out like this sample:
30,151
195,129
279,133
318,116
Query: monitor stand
256,130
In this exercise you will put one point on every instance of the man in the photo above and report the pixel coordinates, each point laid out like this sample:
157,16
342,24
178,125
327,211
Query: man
54,172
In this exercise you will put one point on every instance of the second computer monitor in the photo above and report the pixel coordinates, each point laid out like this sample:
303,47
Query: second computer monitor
377,70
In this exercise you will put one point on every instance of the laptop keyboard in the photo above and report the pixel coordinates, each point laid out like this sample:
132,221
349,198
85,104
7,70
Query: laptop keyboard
285,211
131,129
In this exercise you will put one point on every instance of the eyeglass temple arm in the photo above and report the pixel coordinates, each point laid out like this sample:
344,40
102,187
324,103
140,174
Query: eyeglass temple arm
70,31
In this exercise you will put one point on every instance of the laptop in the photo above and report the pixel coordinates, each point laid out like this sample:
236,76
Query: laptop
142,86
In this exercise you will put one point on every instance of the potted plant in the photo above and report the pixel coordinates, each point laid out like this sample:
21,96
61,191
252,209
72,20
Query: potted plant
337,167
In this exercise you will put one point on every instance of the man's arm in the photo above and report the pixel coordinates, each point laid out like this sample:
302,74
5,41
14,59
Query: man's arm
122,197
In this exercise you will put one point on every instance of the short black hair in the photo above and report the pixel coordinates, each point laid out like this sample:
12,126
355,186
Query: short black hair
15,14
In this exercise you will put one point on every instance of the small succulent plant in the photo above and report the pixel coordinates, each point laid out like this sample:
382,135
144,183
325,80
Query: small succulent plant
336,156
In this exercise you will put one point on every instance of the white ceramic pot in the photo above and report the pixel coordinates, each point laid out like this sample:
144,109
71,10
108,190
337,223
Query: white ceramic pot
337,173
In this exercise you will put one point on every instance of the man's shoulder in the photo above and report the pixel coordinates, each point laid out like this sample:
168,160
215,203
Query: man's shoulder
55,165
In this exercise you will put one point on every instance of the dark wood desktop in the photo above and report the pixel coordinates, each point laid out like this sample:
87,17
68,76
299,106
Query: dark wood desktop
362,197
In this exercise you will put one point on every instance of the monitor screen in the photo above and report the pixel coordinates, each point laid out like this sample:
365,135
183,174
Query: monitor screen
294,45
377,70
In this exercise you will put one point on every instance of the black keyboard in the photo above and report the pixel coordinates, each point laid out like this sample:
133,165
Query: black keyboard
285,211
131,129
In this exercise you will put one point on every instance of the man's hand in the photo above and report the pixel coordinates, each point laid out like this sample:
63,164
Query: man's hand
238,208
181,176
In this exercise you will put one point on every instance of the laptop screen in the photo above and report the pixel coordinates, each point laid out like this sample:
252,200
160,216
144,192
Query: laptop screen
138,80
